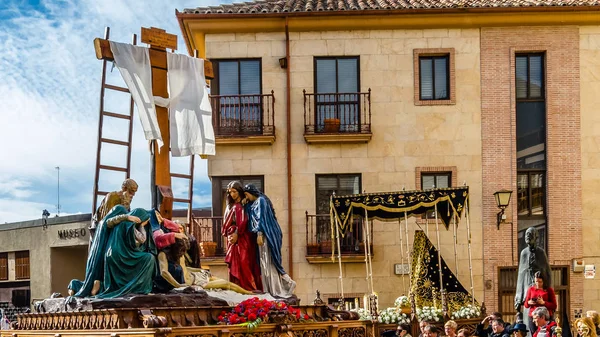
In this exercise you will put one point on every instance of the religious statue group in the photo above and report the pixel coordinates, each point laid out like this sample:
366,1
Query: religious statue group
140,252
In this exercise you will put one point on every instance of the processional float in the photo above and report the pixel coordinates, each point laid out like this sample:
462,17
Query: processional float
428,286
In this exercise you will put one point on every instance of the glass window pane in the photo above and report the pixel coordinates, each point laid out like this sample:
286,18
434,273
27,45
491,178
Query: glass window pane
522,194
521,76
441,78
531,135
536,72
228,78
442,181
538,193
427,182
347,75
326,75
426,78
250,77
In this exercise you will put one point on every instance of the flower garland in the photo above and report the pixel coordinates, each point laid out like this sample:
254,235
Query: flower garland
429,314
254,311
468,311
393,315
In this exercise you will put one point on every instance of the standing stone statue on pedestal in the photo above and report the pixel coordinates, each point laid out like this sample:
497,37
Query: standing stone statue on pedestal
532,260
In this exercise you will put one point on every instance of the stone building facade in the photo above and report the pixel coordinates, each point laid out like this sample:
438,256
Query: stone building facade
467,125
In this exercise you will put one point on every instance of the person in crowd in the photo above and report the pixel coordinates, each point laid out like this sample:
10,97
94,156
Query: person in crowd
241,256
403,330
498,328
463,333
431,331
545,327
593,314
450,328
422,325
484,329
585,327
539,295
518,330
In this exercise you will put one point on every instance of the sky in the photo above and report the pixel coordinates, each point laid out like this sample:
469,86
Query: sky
49,104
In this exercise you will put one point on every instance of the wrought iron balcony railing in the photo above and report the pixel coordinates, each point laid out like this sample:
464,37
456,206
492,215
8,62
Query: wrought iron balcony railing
318,236
243,115
207,231
336,113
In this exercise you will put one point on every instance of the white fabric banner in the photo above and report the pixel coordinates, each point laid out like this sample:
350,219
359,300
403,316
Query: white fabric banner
133,63
190,113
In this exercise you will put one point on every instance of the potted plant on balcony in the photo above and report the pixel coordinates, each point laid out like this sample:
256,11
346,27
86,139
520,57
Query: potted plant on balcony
312,249
332,125
209,248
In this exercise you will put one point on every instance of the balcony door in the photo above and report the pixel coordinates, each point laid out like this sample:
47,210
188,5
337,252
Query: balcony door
340,184
236,92
337,90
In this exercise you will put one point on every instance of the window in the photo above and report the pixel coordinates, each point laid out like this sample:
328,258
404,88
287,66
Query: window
3,266
22,265
219,189
340,184
236,91
531,146
434,80
337,90
531,111
435,180
434,77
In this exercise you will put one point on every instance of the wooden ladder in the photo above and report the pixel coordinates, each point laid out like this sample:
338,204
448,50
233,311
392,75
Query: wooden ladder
102,140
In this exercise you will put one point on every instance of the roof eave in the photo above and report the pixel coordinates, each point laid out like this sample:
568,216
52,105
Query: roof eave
384,12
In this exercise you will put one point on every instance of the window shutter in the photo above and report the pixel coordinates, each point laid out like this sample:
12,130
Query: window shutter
228,78
250,77
347,75
441,78
326,76
521,76
426,78
535,76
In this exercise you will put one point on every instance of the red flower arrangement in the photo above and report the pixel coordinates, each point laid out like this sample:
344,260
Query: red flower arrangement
254,311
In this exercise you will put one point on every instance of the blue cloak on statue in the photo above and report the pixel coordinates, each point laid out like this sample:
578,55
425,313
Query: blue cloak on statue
261,215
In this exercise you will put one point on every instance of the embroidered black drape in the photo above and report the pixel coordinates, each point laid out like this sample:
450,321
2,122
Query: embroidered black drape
392,205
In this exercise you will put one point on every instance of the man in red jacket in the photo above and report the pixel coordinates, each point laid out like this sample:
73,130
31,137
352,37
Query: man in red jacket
545,327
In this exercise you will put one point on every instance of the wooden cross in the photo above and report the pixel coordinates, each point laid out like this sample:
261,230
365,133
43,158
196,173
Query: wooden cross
159,41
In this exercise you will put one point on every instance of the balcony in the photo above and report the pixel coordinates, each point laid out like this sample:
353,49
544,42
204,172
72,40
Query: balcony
319,245
207,231
337,117
244,119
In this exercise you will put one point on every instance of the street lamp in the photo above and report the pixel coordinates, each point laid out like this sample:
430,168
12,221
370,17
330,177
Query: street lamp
45,215
502,201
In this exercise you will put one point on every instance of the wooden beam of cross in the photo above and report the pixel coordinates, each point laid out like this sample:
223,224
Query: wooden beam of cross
159,41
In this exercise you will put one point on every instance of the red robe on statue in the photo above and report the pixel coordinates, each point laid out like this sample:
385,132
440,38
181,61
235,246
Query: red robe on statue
241,257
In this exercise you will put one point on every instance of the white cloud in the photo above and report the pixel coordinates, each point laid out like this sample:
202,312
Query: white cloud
50,90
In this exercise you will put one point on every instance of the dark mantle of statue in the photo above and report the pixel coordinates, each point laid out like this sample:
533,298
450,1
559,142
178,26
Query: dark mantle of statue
532,260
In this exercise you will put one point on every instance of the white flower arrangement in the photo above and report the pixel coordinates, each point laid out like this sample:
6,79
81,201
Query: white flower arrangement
469,311
393,315
430,314
363,314
402,302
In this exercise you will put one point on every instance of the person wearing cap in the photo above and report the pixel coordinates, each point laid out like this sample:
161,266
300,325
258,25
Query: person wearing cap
519,330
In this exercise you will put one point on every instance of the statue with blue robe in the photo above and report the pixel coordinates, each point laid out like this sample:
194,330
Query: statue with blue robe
264,223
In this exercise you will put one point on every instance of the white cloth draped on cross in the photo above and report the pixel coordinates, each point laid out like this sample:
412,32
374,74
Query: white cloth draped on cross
190,113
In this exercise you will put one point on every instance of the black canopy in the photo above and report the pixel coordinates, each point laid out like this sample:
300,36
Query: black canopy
392,205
